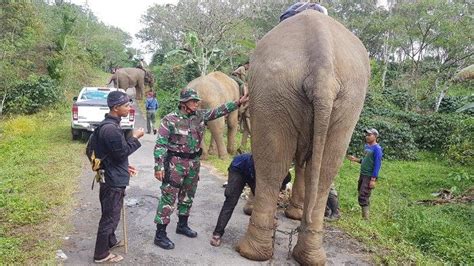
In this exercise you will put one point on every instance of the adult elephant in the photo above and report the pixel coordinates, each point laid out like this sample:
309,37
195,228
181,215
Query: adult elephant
215,89
131,77
307,82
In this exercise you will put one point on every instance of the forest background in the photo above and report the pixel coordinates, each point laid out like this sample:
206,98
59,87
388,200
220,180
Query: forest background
417,99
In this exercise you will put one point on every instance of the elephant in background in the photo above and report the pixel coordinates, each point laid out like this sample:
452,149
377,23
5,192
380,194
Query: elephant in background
131,77
307,82
217,88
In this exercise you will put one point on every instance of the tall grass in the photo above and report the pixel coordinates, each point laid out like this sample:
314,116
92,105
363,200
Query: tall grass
39,166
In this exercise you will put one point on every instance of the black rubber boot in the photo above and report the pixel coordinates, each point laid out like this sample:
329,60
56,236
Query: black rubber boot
183,227
365,212
161,239
333,205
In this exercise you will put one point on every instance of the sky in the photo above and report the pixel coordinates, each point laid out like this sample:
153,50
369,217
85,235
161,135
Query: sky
124,14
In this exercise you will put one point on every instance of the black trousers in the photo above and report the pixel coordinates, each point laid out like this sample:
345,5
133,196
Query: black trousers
364,190
111,202
235,184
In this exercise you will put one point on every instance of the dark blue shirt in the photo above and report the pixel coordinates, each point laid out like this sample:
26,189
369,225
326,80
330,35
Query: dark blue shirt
299,7
243,164
151,104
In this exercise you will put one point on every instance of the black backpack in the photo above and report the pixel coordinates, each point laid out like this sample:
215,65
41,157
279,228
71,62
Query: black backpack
91,149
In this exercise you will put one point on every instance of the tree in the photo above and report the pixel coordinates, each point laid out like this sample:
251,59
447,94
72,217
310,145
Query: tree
20,31
204,31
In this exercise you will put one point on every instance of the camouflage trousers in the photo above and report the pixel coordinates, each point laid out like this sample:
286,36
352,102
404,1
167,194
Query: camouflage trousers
180,181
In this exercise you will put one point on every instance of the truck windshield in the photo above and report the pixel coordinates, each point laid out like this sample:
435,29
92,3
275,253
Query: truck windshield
94,95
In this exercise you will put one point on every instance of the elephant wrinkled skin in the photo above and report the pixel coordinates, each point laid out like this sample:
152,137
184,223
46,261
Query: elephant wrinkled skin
307,82
217,88
130,77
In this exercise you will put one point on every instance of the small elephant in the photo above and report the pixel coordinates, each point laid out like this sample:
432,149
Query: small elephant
217,88
130,77
307,83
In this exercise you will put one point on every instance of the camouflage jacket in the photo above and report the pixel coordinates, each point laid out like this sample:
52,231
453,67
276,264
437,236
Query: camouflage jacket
183,133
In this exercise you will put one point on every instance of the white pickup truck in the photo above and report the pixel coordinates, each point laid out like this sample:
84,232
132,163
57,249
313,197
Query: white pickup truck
89,109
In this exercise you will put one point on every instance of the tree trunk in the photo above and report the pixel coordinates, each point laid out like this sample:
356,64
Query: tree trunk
439,100
385,59
2,103
441,95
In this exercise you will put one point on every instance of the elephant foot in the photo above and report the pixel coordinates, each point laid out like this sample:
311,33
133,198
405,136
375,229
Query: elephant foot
212,151
256,244
309,250
293,212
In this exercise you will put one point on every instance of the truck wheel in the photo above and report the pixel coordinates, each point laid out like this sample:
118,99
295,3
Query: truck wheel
76,134
85,135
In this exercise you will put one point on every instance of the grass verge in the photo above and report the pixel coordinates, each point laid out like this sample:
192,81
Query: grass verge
39,166
38,170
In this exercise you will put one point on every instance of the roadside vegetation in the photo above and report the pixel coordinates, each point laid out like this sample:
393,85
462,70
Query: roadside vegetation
416,100
48,53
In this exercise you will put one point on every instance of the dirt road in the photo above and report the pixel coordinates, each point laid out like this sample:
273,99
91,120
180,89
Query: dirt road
142,196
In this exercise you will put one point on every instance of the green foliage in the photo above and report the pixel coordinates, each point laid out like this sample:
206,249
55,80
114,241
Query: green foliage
32,95
171,77
395,138
168,101
37,179
402,231
60,40
459,146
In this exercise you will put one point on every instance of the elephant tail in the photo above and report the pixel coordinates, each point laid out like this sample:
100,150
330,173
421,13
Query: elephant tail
322,105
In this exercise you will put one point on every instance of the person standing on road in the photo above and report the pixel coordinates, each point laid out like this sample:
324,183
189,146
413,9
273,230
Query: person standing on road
369,169
114,149
151,105
177,160
241,172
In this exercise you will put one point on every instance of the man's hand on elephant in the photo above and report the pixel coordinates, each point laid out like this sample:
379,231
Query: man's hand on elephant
243,99
372,182
159,175
138,133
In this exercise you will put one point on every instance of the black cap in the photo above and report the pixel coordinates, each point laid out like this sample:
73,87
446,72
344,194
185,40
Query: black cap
117,98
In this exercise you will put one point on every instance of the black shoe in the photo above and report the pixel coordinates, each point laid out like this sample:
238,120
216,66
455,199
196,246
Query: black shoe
162,240
155,131
184,229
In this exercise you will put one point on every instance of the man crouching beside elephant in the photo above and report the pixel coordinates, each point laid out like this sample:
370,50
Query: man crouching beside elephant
177,160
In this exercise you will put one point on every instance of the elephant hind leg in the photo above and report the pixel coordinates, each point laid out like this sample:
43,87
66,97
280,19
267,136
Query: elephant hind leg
295,208
309,248
216,127
232,124
272,158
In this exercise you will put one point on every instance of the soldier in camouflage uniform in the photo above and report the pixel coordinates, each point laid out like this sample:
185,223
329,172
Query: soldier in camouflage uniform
177,160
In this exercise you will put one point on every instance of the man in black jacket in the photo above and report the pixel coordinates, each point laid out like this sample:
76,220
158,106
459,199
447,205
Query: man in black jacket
114,150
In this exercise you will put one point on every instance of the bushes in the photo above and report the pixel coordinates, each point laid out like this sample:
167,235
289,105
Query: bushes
404,133
172,77
32,95
459,146
168,101
396,138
